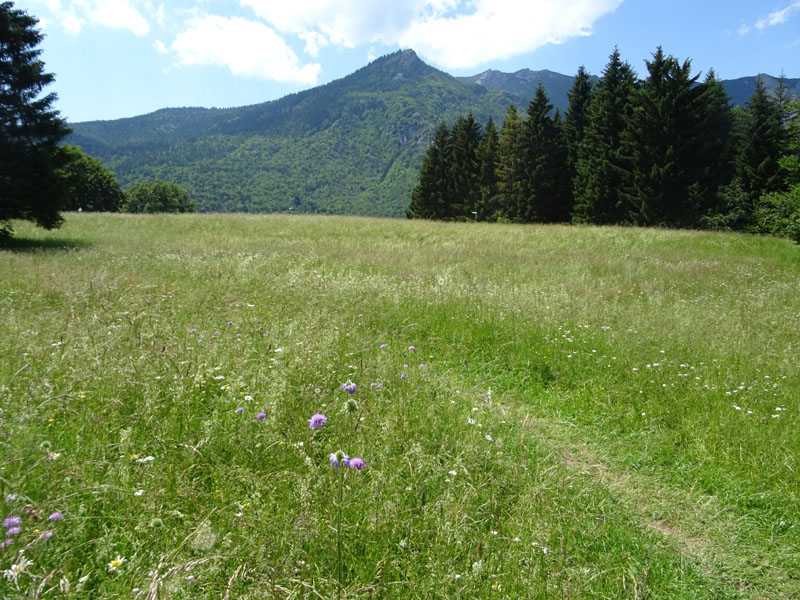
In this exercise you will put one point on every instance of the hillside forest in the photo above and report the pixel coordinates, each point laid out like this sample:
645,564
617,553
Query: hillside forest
667,150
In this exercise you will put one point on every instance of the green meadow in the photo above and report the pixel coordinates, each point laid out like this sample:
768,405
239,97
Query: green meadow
543,411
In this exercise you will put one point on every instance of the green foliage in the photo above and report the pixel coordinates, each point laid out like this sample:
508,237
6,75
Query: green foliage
601,162
508,163
762,140
543,164
31,186
465,167
92,186
432,198
778,214
158,197
488,209
576,119
353,146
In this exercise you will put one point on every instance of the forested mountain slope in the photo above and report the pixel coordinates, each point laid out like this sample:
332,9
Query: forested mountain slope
352,146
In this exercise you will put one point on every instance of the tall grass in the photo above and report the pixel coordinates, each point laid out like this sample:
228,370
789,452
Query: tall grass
585,411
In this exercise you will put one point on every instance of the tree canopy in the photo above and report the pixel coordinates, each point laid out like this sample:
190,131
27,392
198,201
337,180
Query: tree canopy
31,184
158,197
92,187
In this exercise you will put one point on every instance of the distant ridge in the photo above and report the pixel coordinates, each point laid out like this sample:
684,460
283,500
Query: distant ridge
351,146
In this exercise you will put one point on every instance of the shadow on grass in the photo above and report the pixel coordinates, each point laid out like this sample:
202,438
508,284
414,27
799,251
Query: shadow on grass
16,244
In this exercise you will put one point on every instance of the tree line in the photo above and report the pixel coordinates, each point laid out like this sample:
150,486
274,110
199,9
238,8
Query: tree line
667,150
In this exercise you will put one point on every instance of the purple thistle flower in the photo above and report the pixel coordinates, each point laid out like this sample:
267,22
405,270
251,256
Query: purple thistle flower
265,335
193,331
261,416
238,335
13,531
12,521
46,535
7,542
357,463
405,366
348,387
317,421
240,410
403,376
383,346
56,516
230,323
412,348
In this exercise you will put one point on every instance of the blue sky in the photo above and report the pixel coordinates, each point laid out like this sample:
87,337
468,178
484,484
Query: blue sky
120,58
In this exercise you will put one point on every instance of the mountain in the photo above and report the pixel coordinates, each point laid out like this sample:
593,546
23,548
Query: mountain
523,84
352,146
740,89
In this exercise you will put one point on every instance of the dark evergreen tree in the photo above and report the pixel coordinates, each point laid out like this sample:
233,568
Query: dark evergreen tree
664,183
488,208
92,187
543,160
509,173
600,166
576,119
714,146
432,198
465,167
762,140
31,186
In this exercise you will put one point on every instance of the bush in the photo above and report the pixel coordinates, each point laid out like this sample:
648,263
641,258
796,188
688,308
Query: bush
779,214
158,197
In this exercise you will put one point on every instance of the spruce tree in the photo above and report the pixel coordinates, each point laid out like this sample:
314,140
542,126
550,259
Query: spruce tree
600,165
488,208
543,159
509,172
664,179
714,146
762,141
576,119
31,185
465,167
432,198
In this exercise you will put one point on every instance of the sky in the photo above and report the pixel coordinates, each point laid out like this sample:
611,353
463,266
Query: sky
122,58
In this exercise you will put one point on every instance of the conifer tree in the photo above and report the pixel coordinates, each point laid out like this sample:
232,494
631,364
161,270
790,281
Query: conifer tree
31,185
600,167
509,173
465,167
576,119
543,159
488,208
432,197
714,146
663,179
762,141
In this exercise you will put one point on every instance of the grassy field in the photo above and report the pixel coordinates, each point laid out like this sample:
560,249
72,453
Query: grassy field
544,412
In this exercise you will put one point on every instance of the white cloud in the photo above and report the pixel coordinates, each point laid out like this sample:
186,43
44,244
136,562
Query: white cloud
245,47
499,29
72,15
451,33
314,41
779,16
160,47
119,14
